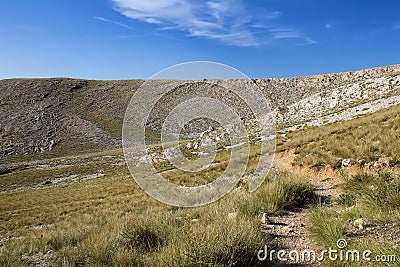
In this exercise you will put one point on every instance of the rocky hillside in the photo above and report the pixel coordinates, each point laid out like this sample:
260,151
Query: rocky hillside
61,116
53,117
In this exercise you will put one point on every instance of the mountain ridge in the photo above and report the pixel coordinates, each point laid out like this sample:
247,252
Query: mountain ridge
47,117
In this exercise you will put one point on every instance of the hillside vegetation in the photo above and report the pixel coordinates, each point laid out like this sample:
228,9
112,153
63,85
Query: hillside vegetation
372,141
68,199
78,218
87,210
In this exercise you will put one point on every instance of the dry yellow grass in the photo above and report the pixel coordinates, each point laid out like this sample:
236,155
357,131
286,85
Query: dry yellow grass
363,139
110,221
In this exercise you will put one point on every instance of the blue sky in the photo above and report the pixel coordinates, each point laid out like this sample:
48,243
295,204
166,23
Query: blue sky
127,39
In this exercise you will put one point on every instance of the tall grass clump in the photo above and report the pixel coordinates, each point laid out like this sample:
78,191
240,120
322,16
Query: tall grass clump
326,225
224,243
281,191
378,196
375,198
147,233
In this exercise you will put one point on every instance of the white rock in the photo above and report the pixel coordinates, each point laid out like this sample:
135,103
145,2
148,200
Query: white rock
346,162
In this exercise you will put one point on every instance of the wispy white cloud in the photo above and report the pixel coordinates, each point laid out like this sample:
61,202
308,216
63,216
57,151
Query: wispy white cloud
224,20
289,33
114,22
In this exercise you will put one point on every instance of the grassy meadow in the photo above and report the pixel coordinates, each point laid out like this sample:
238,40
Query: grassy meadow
87,210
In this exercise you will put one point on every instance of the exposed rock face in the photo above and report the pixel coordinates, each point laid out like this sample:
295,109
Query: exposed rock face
66,116
344,96
288,91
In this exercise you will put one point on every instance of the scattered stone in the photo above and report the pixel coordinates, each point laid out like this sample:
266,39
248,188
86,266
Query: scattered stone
385,161
346,162
358,223
51,145
264,219
382,162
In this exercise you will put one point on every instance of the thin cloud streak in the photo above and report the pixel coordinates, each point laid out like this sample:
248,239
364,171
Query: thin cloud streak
114,22
289,33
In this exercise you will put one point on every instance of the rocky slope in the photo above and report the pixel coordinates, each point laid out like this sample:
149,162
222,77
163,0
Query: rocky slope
53,117
64,116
